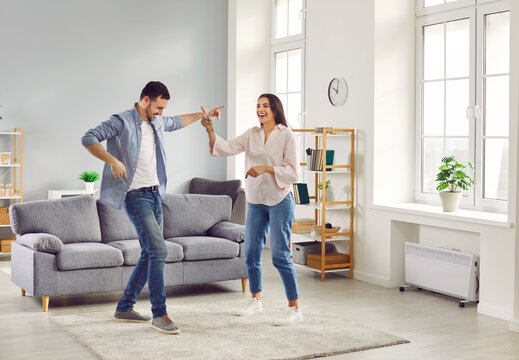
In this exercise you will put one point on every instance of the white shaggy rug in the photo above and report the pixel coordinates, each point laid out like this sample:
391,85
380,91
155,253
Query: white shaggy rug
211,331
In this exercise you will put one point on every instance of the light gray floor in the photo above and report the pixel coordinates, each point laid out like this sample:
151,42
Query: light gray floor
435,325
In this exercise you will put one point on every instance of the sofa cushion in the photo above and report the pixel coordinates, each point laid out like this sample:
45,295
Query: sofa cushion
205,247
193,214
88,256
115,224
227,230
41,242
72,219
131,250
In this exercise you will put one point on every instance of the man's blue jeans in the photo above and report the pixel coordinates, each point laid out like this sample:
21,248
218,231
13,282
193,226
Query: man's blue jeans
145,211
279,218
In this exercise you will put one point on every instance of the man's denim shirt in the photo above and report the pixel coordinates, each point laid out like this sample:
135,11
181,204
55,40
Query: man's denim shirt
124,135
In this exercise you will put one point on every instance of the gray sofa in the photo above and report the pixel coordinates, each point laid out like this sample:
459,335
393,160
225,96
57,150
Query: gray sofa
76,245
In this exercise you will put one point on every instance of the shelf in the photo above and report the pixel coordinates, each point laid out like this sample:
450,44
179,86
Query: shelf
318,205
10,133
10,197
337,171
4,254
319,270
315,237
5,225
10,165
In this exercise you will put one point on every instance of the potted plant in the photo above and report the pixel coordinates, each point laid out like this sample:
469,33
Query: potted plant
89,177
328,186
451,180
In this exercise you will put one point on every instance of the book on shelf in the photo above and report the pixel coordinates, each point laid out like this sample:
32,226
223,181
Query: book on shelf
301,193
316,160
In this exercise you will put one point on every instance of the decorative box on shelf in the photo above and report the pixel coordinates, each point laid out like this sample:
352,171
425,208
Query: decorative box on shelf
333,260
301,250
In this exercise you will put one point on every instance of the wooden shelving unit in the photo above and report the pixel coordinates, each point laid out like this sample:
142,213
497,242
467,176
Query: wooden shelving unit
335,261
15,174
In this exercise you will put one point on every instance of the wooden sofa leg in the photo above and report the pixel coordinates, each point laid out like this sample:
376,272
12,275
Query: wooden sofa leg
23,292
45,303
244,285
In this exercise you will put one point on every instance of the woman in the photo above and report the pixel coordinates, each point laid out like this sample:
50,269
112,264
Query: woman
272,167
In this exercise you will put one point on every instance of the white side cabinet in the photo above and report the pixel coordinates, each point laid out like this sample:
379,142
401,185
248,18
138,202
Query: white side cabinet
59,194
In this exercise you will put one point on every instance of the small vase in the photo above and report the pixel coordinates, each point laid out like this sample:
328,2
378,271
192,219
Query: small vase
450,200
89,187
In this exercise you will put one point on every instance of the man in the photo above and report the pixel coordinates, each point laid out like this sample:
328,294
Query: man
134,175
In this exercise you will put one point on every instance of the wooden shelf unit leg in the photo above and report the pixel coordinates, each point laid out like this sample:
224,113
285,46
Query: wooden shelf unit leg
45,303
244,285
23,292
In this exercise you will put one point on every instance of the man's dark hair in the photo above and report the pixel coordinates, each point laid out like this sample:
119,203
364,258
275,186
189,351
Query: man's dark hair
155,89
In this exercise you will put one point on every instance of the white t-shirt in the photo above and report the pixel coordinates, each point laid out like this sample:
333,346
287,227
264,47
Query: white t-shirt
146,172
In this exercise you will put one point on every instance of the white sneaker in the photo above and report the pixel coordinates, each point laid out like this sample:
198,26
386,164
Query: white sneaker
254,306
290,317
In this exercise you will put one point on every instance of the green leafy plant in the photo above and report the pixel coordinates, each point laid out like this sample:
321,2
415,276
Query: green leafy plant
0,115
89,176
452,175
328,185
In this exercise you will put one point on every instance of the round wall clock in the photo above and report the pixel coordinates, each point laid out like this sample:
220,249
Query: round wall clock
338,91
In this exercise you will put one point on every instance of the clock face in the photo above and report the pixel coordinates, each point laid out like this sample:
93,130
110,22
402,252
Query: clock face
338,91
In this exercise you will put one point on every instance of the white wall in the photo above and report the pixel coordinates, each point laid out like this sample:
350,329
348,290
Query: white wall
66,66
380,252
514,136
249,69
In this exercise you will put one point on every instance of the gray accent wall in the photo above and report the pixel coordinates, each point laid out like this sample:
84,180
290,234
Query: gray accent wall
66,66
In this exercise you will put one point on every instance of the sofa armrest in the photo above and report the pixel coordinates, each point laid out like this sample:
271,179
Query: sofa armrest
41,242
227,230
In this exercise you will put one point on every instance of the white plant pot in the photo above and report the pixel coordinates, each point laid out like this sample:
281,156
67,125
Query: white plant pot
89,187
450,200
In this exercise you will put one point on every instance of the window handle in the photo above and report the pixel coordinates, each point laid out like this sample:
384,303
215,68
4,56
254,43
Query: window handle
302,14
473,112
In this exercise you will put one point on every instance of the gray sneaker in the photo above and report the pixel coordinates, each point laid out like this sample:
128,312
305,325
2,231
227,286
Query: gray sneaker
164,325
130,316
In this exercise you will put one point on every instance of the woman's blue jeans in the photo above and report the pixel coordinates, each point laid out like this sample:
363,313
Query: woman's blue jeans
279,218
145,211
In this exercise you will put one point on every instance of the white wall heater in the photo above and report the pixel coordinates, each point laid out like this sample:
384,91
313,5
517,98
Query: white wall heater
441,270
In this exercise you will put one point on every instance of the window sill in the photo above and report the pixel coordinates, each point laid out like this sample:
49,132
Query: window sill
463,215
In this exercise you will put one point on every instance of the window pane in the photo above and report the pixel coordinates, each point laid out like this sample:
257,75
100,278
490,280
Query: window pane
433,51
295,24
281,18
281,71
459,148
283,98
427,3
432,153
294,108
497,98
433,108
458,48
497,38
457,100
495,177
294,70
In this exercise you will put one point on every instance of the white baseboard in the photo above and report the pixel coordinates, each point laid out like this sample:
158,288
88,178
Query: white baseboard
372,279
496,312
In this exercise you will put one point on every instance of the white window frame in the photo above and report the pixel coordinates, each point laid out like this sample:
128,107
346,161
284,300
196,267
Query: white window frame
300,44
427,20
430,16
287,39
489,7
421,10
